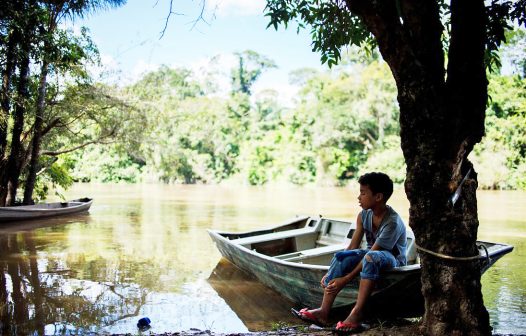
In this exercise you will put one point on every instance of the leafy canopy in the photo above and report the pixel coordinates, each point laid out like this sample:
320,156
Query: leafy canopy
334,26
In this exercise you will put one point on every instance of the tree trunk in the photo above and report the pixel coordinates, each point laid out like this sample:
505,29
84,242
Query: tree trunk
16,156
7,75
451,289
37,135
454,303
5,105
441,120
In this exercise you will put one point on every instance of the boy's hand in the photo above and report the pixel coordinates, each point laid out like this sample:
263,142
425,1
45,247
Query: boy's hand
322,281
336,285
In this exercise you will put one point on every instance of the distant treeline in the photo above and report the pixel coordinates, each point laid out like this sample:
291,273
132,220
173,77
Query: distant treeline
183,128
59,125
178,126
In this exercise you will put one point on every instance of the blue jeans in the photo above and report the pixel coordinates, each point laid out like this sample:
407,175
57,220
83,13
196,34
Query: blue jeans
345,261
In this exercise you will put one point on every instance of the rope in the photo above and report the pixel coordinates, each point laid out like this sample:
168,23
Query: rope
448,257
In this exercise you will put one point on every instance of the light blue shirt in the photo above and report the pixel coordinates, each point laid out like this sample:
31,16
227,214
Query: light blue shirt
391,235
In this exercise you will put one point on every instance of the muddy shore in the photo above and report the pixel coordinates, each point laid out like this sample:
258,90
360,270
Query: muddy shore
392,331
400,327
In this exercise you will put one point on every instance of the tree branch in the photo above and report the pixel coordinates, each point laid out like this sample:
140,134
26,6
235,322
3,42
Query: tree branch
400,40
43,169
423,28
201,14
383,20
170,12
69,150
466,73
56,153
52,124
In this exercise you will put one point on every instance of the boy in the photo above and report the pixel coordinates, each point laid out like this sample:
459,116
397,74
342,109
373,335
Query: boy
386,248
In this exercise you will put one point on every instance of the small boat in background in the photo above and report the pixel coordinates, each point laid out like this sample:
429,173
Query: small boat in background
293,257
44,210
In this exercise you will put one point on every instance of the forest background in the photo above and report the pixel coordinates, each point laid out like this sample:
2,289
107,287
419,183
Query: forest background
176,125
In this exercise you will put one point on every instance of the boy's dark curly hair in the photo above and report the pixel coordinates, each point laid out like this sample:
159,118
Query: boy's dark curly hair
378,183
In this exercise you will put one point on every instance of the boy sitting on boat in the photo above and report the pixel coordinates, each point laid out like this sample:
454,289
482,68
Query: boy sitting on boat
385,234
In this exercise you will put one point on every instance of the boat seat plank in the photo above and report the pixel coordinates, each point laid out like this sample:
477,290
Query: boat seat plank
274,236
329,249
322,250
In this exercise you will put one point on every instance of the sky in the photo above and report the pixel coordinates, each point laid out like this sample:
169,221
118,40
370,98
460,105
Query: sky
130,43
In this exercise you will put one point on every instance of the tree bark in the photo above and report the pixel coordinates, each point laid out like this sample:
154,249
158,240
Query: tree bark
5,104
7,75
37,134
41,105
441,120
16,155
454,303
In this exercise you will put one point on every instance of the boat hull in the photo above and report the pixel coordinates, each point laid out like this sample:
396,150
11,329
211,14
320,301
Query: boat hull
260,254
45,210
301,282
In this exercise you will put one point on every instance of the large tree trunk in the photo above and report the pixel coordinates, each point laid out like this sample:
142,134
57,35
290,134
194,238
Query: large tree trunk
10,181
441,120
7,75
37,135
454,303
5,105
16,155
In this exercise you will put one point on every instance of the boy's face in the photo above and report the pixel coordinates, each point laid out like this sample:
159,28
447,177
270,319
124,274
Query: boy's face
367,199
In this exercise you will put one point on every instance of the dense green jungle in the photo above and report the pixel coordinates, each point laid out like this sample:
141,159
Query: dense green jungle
178,128
178,125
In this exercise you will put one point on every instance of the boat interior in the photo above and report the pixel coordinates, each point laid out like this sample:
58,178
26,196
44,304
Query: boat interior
307,240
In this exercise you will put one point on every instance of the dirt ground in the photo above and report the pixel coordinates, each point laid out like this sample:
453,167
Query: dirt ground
400,327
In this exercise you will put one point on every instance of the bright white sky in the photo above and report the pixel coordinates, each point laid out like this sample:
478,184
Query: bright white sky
128,38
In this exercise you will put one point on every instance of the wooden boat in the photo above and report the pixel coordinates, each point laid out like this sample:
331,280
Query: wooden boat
292,258
44,210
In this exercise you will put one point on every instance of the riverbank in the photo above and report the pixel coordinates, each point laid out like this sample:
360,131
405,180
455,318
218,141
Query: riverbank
301,331
399,327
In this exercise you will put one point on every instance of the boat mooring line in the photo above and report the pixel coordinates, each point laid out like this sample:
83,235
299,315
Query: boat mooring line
448,257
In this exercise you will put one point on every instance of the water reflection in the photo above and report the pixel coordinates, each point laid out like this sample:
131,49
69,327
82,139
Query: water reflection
42,294
144,251
504,289
254,303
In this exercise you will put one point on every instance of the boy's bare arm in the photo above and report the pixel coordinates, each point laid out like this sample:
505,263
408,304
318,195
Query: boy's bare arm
357,236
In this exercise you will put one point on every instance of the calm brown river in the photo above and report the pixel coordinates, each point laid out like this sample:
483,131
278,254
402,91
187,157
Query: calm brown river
143,250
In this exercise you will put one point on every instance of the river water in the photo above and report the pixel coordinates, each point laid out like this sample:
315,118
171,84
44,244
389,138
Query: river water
143,250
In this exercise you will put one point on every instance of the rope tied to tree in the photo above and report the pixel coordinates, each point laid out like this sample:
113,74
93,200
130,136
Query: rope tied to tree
453,258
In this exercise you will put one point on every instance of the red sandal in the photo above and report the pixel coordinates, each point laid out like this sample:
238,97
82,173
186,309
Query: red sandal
306,316
343,328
